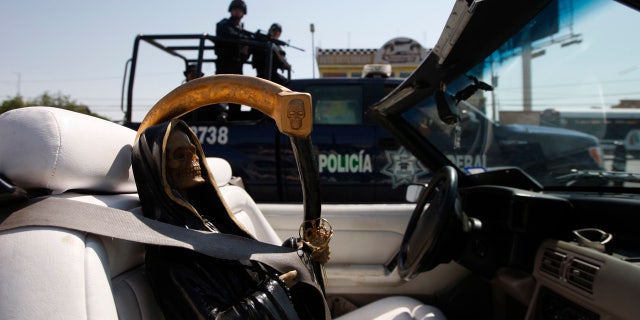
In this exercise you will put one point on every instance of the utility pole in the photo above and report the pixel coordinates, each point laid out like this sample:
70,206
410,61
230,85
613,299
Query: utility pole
527,55
312,28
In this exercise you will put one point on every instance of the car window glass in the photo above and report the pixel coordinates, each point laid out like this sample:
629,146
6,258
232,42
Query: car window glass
337,104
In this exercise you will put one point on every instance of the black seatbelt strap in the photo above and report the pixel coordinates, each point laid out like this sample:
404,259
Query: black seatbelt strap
120,224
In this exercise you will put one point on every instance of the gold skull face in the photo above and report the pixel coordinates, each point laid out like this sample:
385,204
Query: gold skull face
183,164
295,113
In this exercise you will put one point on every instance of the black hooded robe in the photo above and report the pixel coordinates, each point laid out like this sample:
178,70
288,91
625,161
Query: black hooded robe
189,285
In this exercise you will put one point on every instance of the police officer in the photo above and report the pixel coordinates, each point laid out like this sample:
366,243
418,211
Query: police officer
231,55
278,57
192,72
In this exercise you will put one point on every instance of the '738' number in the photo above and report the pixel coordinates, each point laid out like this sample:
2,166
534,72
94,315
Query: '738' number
211,135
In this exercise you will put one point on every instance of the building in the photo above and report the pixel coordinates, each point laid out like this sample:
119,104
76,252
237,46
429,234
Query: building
403,54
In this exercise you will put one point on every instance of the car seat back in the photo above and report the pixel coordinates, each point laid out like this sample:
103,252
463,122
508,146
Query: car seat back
47,271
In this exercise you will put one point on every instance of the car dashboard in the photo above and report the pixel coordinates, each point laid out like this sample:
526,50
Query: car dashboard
561,255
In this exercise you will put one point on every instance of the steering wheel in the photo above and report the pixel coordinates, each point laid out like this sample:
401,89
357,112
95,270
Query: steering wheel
290,110
430,229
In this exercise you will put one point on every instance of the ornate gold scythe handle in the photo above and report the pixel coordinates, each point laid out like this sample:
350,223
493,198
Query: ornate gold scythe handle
291,111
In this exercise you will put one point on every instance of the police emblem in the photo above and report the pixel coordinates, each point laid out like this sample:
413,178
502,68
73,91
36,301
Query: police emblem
402,167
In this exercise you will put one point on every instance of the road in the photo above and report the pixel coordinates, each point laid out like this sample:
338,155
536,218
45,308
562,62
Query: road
632,164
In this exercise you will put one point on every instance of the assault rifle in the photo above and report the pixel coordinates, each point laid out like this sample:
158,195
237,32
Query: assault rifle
259,36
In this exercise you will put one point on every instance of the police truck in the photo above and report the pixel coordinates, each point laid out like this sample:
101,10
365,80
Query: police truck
357,161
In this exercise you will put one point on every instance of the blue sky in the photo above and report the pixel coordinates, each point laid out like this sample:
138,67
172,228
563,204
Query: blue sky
79,48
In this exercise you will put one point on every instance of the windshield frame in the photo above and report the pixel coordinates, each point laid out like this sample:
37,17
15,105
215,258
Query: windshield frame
446,67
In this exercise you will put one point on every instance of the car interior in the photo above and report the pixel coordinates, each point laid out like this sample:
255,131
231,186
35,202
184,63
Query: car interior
52,153
74,274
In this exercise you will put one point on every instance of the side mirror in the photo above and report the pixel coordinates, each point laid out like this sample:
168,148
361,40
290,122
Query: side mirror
414,191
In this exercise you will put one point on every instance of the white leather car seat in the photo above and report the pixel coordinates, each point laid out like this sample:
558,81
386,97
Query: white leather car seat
50,272
241,204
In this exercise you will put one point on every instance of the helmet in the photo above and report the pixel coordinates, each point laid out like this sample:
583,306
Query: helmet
192,71
238,4
275,26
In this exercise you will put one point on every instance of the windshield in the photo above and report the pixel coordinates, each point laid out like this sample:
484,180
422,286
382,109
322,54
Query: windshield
560,100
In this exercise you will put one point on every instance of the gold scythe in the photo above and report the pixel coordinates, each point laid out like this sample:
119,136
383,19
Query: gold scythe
272,99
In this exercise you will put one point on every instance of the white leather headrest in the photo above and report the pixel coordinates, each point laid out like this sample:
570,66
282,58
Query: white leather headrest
60,150
221,170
